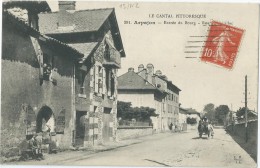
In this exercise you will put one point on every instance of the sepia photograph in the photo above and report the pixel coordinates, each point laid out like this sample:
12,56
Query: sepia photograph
124,83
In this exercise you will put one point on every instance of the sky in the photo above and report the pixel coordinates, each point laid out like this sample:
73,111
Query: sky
163,45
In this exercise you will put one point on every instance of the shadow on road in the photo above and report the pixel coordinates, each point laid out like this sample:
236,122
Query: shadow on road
200,138
250,147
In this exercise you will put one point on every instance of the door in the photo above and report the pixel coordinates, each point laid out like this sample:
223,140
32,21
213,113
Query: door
107,130
81,123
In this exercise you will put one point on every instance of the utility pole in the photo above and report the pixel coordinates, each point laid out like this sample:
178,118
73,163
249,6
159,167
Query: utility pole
246,108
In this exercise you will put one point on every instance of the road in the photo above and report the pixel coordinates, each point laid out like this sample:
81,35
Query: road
165,149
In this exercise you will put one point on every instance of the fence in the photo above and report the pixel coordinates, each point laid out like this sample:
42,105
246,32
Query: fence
123,123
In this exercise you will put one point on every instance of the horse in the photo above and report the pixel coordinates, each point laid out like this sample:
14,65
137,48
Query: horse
203,128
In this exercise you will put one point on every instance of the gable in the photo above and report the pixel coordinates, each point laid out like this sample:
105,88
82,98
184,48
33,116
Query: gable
132,81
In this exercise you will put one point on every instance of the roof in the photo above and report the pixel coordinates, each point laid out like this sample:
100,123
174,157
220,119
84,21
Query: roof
62,23
188,111
21,25
132,81
84,48
38,6
73,21
168,82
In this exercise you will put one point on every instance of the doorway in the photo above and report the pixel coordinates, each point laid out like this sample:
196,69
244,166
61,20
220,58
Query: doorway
81,125
45,120
107,130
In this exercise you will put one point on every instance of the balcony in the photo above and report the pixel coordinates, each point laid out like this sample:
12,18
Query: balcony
112,57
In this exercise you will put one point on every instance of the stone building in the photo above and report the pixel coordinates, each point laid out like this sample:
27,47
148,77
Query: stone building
95,34
61,79
162,94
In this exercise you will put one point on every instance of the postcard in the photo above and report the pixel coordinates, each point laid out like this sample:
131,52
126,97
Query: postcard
88,83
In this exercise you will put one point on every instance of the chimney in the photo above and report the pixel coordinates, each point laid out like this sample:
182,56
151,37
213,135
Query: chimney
150,69
158,72
140,67
67,5
131,69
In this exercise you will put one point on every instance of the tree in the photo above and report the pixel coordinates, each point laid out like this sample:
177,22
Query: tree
126,112
209,111
221,113
241,111
191,120
124,109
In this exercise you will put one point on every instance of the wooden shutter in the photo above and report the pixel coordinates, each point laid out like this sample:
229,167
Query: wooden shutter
104,80
60,122
109,83
96,79
92,77
100,77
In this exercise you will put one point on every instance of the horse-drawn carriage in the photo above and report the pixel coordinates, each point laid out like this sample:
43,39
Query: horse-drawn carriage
205,128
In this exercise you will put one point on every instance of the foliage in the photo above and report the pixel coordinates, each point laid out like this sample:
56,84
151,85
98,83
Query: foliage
126,112
209,111
221,112
241,111
191,120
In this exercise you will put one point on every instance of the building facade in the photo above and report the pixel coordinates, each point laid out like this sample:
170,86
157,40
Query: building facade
164,100
51,84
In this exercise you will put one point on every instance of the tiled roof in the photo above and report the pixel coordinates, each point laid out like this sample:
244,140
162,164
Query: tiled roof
35,33
132,81
84,48
73,21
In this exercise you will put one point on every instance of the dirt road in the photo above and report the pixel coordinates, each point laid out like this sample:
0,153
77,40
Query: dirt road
166,149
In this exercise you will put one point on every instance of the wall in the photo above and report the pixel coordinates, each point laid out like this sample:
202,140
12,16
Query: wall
21,86
95,103
130,133
239,130
138,99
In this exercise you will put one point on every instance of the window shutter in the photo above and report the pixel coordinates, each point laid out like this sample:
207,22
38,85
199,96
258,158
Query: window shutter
60,122
109,83
104,80
100,84
96,79
92,79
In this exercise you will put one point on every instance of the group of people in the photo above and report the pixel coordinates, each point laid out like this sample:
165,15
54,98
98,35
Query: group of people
176,127
204,121
35,145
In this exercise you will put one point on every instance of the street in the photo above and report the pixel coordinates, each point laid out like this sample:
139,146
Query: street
164,149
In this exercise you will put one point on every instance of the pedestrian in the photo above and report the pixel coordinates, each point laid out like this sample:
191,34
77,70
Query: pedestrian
170,126
176,128
210,127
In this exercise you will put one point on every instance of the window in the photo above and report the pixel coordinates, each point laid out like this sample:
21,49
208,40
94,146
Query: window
107,53
107,110
48,69
81,81
112,85
98,79
47,66
110,82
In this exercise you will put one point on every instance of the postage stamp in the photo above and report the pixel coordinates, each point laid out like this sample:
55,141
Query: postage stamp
222,44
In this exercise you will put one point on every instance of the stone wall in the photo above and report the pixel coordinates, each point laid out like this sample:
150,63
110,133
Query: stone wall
133,132
21,87
239,130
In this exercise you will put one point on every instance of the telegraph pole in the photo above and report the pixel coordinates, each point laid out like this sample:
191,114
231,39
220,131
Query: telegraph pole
246,108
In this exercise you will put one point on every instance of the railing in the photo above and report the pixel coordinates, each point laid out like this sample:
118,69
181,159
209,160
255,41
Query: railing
126,123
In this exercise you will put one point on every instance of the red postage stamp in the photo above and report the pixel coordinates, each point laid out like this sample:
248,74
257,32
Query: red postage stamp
221,46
